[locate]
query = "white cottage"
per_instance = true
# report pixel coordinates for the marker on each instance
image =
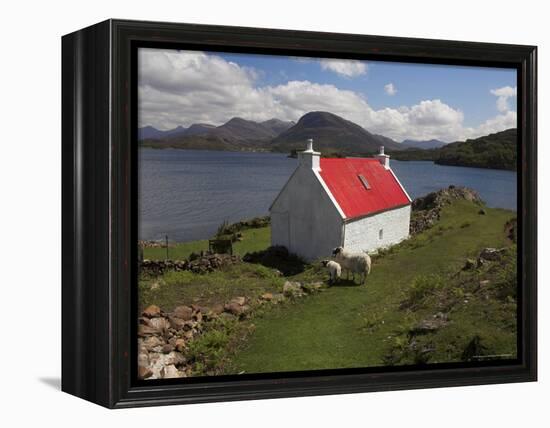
(356, 203)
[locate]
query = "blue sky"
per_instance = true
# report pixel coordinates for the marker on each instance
(465, 88)
(398, 100)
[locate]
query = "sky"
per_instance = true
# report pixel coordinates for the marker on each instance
(397, 100)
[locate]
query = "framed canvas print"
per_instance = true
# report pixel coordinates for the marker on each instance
(253, 213)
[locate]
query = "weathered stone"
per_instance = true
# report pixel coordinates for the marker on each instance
(161, 324)
(484, 283)
(470, 264)
(145, 330)
(292, 289)
(267, 296)
(183, 312)
(152, 311)
(171, 372)
(143, 359)
(180, 345)
(144, 372)
(278, 298)
(198, 316)
(430, 324)
(152, 342)
(234, 308)
(227, 316)
(177, 323)
(491, 254)
(175, 358)
(217, 309)
(239, 300)
(167, 348)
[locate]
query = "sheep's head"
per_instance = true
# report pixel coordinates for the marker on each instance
(324, 262)
(337, 251)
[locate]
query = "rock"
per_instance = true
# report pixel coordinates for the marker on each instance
(161, 324)
(313, 287)
(197, 316)
(430, 325)
(145, 330)
(278, 298)
(152, 342)
(171, 372)
(183, 312)
(470, 264)
(277, 272)
(292, 289)
(167, 348)
(175, 358)
(236, 309)
(484, 283)
(152, 311)
(177, 323)
(217, 309)
(144, 372)
(491, 254)
(239, 300)
(180, 345)
(227, 316)
(267, 296)
(143, 359)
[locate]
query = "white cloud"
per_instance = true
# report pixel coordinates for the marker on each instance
(182, 88)
(347, 68)
(503, 94)
(390, 89)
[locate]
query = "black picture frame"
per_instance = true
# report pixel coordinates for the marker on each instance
(99, 216)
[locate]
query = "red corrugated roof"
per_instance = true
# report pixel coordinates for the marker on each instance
(342, 178)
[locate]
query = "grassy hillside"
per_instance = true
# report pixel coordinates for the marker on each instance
(427, 300)
(252, 240)
(497, 151)
(382, 323)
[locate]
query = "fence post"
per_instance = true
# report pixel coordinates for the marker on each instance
(166, 239)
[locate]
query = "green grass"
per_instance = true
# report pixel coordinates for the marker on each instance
(252, 240)
(184, 288)
(359, 326)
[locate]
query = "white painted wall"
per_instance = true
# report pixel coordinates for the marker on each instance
(304, 219)
(364, 234)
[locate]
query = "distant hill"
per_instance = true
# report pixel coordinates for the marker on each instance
(429, 144)
(199, 129)
(497, 151)
(150, 132)
(331, 133)
(277, 126)
(234, 135)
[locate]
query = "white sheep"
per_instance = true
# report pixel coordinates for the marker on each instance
(335, 270)
(355, 262)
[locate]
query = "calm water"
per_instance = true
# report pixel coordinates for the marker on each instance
(187, 194)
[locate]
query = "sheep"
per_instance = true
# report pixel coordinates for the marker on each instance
(335, 270)
(355, 262)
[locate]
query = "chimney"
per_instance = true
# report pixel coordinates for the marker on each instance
(309, 158)
(383, 158)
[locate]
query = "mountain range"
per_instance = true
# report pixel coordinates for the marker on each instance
(331, 134)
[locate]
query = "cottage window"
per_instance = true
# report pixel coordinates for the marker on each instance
(380, 233)
(364, 181)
